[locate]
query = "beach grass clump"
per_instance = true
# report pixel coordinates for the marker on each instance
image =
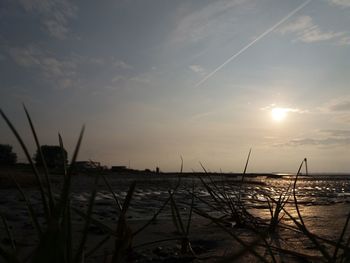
(228, 200)
(179, 222)
(233, 208)
(56, 240)
(54, 233)
(276, 209)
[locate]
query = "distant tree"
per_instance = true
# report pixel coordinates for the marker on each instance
(53, 156)
(7, 157)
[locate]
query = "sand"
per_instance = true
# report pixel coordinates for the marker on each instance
(324, 213)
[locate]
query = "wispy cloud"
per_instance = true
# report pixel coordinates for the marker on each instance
(285, 109)
(344, 118)
(55, 15)
(197, 69)
(121, 64)
(60, 71)
(344, 41)
(342, 3)
(336, 133)
(331, 141)
(68, 71)
(308, 32)
(322, 138)
(97, 61)
(118, 78)
(107, 61)
(341, 106)
(204, 21)
(338, 108)
(141, 78)
(337, 105)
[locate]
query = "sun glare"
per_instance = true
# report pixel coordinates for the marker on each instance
(278, 114)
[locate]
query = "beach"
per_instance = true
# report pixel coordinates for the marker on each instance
(323, 202)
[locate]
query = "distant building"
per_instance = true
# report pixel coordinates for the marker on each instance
(120, 168)
(86, 165)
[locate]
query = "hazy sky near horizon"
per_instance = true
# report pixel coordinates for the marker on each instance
(130, 71)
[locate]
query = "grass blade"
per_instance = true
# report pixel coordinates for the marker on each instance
(153, 218)
(112, 192)
(46, 171)
(67, 228)
(246, 164)
(8, 232)
(249, 247)
(294, 195)
(98, 245)
(29, 159)
(128, 198)
(182, 165)
(29, 207)
(341, 238)
(177, 215)
(96, 222)
(81, 245)
(191, 212)
(62, 205)
(7, 256)
(63, 155)
(124, 234)
(313, 238)
(158, 212)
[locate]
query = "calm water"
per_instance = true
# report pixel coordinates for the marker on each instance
(151, 193)
(324, 200)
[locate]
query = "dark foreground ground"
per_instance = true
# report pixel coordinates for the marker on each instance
(213, 233)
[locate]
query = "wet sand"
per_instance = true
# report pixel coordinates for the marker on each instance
(324, 206)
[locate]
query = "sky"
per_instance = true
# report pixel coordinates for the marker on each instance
(202, 79)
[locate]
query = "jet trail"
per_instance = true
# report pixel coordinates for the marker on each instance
(253, 42)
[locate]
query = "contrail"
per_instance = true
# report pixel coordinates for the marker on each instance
(253, 42)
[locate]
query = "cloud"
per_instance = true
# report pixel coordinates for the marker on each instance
(97, 61)
(205, 21)
(337, 133)
(197, 69)
(54, 15)
(121, 64)
(329, 138)
(300, 24)
(141, 78)
(338, 108)
(342, 106)
(26, 57)
(342, 3)
(338, 105)
(118, 78)
(344, 41)
(331, 141)
(61, 71)
(285, 109)
(308, 32)
(344, 118)
(67, 72)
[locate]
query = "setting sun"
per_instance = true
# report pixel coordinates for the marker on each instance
(278, 114)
